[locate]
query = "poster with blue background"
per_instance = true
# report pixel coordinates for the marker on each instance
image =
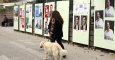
(37, 11)
(38, 18)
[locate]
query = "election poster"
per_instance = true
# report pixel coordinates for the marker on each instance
(38, 18)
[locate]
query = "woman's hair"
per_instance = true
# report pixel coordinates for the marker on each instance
(56, 15)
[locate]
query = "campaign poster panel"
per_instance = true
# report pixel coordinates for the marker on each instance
(22, 17)
(61, 6)
(81, 13)
(28, 18)
(104, 24)
(48, 8)
(16, 9)
(38, 18)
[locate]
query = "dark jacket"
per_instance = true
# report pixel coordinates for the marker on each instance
(57, 31)
(5, 19)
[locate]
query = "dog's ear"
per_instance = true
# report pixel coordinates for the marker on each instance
(41, 45)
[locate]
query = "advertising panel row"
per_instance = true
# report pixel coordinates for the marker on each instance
(48, 8)
(61, 6)
(28, 18)
(40, 25)
(81, 14)
(104, 20)
(38, 18)
(15, 14)
(22, 17)
(104, 24)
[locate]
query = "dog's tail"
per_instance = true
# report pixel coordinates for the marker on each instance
(62, 52)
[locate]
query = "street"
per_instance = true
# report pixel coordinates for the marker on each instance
(16, 45)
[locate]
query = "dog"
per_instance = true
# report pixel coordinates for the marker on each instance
(53, 49)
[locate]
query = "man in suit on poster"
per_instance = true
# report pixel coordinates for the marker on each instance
(109, 10)
(108, 31)
(83, 23)
(76, 22)
(99, 22)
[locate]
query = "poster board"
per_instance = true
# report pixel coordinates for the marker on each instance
(22, 17)
(104, 24)
(81, 13)
(28, 21)
(61, 6)
(15, 14)
(48, 8)
(38, 19)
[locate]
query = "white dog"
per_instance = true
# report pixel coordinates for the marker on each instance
(53, 49)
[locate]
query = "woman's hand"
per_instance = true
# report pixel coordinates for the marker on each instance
(50, 33)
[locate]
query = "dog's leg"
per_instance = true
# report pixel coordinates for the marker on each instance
(46, 56)
(56, 54)
(60, 57)
(55, 57)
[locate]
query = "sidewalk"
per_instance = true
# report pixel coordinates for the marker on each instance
(22, 46)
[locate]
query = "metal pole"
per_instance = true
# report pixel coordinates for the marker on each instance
(70, 21)
(43, 17)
